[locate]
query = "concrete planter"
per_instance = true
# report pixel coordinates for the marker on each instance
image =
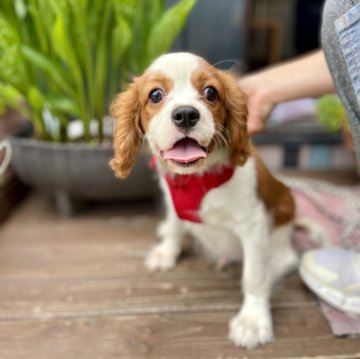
(73, 173)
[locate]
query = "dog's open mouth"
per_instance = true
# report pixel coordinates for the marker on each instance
(186, 152)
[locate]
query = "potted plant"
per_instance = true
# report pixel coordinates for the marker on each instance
(331, 113)
(61, 64)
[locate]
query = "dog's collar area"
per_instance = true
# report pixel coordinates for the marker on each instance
(187, 191)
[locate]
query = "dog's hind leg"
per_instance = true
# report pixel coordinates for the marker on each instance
(284, 258)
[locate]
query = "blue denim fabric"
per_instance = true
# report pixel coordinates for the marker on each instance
(348, 29)
(340, 35)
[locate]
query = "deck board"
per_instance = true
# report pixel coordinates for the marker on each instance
(77, 288)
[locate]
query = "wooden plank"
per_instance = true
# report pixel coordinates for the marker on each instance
(300, 334)
(172, 292)
(40, 243)
(78, 289)
(55, 268)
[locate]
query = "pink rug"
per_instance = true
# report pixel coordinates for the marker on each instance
(336, 210)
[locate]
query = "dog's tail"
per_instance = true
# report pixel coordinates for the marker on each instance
(318, 234)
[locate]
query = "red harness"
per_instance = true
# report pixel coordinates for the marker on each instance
(187, 191)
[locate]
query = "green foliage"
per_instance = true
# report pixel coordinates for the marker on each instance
(170, 24)
(331, 112)
(70, 57)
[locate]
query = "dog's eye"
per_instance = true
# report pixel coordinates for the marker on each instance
(210, 93)
(156, 96)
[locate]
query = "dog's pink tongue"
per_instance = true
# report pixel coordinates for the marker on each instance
(186, 150)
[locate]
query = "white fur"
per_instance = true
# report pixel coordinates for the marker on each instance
(162, 133)
(235, 220)
(231, 230)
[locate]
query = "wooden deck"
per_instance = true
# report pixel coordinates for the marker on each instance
(77, 288)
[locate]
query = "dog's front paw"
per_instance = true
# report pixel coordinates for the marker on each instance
(162, 257)
(250, 328)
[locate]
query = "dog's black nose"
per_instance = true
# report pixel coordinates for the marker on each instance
(185, 117)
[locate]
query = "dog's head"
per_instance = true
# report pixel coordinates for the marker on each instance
(191, 113)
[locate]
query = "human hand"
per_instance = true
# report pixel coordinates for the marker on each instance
(260, 102)
(306, 76)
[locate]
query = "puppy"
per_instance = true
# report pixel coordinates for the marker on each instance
(216, 187)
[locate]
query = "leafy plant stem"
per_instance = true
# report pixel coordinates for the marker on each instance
(66, 59)
(100, 70)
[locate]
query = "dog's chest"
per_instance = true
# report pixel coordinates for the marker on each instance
(221, 210)
(213, 199)
(187, 192)
(232, 203)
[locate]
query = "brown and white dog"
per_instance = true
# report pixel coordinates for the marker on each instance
(215, 185)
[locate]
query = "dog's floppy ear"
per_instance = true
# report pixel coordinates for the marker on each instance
(125, 110)
(236, 121)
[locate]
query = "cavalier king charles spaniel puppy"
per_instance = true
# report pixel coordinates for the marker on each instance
(216, 187)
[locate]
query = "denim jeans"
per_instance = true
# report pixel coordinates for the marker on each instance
(340, 35)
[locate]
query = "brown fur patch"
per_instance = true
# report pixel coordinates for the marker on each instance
(125, 110)
(236, 119)
(229, 110)
(132, 112)
(206, 76)
(276, 196)
(150, 82)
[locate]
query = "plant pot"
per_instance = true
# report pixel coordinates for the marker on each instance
(77, 172)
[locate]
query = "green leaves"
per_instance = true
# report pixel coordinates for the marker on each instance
(62, 104)
(10, 96)
(51, 69)
(12, 67)
(331, 112)
(68, 58)
(167, 28)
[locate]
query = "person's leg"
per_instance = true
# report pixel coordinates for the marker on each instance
(340, 36)
(334, 273)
